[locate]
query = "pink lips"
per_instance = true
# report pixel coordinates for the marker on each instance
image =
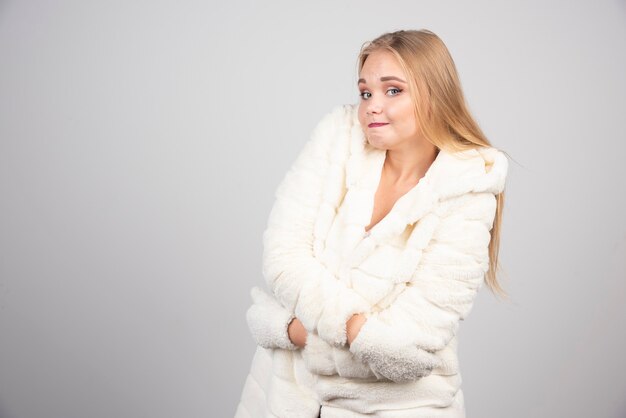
(374, 125)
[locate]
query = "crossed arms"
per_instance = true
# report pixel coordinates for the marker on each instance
(397, 342)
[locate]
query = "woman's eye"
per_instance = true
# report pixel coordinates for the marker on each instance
(366, 94)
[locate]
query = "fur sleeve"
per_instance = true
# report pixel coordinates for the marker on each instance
(426, 314)
(299, 281)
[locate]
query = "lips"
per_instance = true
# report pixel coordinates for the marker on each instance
(376, 124)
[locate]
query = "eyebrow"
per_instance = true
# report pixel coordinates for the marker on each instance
(386, 78)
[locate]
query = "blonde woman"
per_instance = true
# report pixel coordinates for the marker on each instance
(382, 232)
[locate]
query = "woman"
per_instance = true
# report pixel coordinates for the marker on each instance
(382, 232)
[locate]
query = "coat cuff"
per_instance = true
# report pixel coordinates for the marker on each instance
(390, 355)
(268, 321)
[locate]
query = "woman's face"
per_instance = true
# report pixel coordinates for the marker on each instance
(385, 99)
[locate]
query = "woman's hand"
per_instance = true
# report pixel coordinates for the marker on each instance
(297, 333)
(353, 326)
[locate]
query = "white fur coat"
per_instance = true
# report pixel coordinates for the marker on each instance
(414, 275)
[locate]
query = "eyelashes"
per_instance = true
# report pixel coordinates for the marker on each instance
(363, 93)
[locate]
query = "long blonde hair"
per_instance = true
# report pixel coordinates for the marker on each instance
(440, 107)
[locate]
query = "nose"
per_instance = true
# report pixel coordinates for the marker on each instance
(373, 106)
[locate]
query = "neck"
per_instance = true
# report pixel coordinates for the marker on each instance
(410, 163)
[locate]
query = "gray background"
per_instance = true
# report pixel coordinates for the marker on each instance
(140, 146)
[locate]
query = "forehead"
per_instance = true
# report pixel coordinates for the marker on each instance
(381, 63)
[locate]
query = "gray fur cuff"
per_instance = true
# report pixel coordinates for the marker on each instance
(389, 356)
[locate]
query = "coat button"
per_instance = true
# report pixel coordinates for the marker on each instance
(366, 234)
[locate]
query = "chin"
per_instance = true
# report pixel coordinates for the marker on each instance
(380, 144)
(374, 144)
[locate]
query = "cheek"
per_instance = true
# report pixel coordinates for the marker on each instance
(361, 115)
(406, 114)
(404, 122)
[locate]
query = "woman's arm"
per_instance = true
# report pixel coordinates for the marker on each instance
(273, 326)
(397, 342)
(452, 269)
(270, 324)
(303, 285)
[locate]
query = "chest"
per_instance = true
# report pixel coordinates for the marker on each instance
(385, 198)
(370, 232)
(373, 276)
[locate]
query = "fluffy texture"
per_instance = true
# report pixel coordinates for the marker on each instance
(388, 357)
(298, 280)
(268, 321)
(452, 269)
(415, 275)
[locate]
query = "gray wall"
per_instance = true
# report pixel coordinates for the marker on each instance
(140, 146)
